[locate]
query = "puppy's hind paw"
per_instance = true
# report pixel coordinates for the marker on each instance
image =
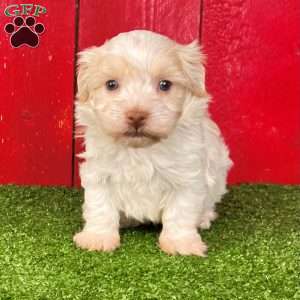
(206, 219)
(183, 246)
(97, 242)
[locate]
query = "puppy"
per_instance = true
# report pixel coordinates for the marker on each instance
(152, 153)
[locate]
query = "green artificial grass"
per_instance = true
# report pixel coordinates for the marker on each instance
(254, 250)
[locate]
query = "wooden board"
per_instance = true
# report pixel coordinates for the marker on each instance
(36, 103)
(253, 73)
(101, 20)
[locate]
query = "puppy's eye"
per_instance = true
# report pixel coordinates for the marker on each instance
(165, 85)
(112, 84)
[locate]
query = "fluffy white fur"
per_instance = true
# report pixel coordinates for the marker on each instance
(175, 178)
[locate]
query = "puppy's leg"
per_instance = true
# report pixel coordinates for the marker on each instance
(101, 229)
(215, 195)
(180, 221)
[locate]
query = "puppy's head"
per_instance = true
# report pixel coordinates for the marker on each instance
(137, 83)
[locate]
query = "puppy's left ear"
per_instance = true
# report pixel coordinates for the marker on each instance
(192, 60)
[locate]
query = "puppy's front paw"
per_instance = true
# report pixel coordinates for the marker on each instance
(97, 242)
(186, 245)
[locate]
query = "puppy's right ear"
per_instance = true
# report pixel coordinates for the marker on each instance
(84, 64)
(192, 63)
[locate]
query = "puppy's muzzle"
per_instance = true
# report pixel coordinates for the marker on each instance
(136, 120)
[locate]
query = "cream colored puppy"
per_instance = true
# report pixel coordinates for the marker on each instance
(152, 152)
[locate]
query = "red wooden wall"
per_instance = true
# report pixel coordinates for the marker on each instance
(36, 100)
(253, 73)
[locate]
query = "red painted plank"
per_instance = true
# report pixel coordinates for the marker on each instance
(37, 99)
(101, 20)
(253, 73)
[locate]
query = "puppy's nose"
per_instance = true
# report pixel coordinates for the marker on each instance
(136, 118)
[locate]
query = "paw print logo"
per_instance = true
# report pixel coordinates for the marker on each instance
(24, 31)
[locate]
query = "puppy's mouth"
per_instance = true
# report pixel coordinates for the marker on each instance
(139, 138)
(140, 134)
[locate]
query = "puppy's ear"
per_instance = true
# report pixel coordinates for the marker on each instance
(192, 60)
(84, 64)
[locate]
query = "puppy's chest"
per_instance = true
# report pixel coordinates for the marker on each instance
(139, 190)
(131, 171)
(147, 171)
(139, 175)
